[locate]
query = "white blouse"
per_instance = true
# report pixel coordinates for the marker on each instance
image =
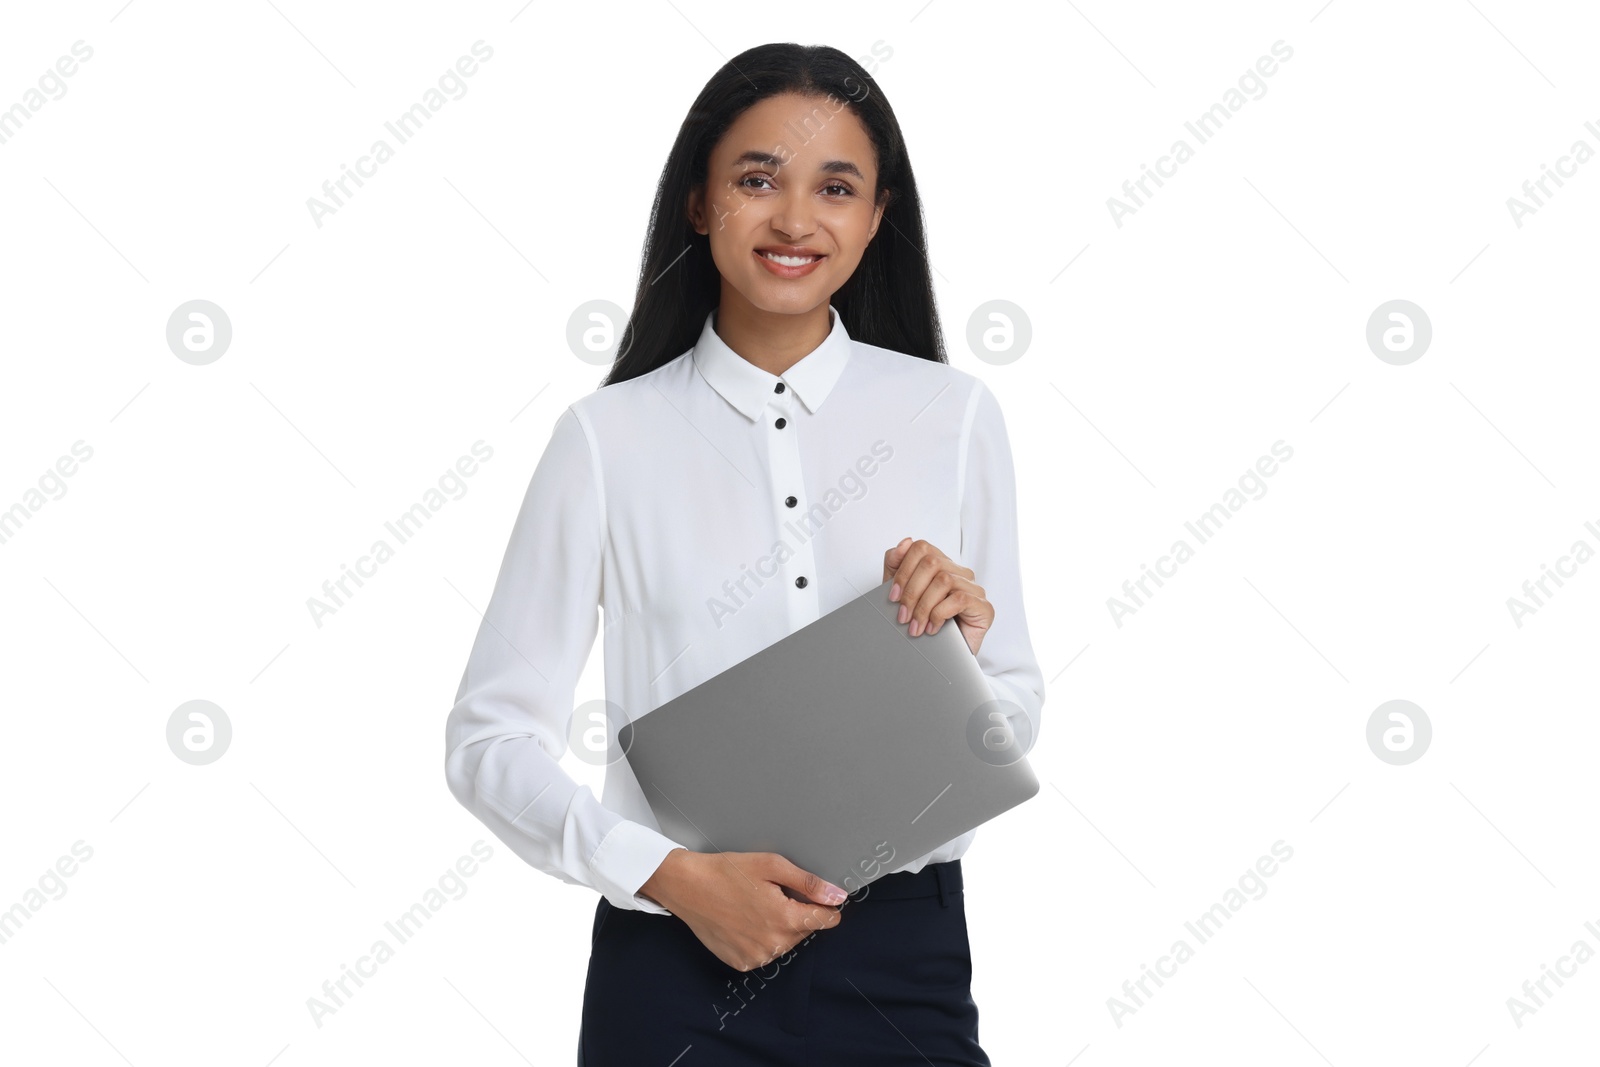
(711, 508)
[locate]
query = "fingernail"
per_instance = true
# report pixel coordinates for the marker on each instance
(916, 627)
(904, 611)
(834, 895)
(894, 593)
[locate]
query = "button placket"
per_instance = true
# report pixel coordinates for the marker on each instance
(786, 469)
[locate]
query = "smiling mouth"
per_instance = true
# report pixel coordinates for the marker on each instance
(789, 261)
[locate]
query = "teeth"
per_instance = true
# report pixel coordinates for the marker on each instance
(791, 261)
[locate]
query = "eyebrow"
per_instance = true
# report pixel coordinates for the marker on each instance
(832, 166)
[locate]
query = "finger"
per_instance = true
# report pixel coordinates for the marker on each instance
(923, 563)
(974, 597)
(937, 589)
(909, 562)
(915, 582)
(895, 560)
(949, 595)
(892, 558)
(813, 887)
(952, 605)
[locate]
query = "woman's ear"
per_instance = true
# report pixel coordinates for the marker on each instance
(877, 215)
(696, 209)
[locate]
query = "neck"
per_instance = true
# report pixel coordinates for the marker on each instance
(771, 340)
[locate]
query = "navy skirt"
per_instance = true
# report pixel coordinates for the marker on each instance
(890, 985)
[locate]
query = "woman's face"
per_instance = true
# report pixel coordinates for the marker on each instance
(793, 175)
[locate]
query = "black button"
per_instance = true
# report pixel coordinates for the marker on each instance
(781, 423)
(778, 388)
(790, 501)
(800, 581)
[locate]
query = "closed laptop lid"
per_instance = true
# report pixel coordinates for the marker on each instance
(849, 747)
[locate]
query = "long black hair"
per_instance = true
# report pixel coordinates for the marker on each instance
(888, 301)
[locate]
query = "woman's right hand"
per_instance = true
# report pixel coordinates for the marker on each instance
(736, 905)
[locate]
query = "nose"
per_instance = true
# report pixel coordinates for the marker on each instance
(796, 216)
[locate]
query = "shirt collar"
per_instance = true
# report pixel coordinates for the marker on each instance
(748, 387)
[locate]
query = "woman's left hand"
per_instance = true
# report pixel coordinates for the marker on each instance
(931, 587)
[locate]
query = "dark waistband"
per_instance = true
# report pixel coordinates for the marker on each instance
(942, 880)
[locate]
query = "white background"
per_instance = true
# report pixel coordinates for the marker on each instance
(430, 311)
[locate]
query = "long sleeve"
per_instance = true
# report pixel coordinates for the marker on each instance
(989, 545)
(508, 727)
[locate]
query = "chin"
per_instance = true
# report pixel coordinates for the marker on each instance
(792, 303)
(781, 297)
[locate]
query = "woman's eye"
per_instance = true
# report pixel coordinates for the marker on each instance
(844, 190)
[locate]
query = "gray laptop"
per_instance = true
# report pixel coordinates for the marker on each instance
(849, 747)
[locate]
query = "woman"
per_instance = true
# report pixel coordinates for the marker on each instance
(779, 434)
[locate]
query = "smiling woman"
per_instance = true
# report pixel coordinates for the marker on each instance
(794, 152)
(755, 201)
(783, 330)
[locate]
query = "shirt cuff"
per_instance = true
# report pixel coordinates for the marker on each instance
(628, 855)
